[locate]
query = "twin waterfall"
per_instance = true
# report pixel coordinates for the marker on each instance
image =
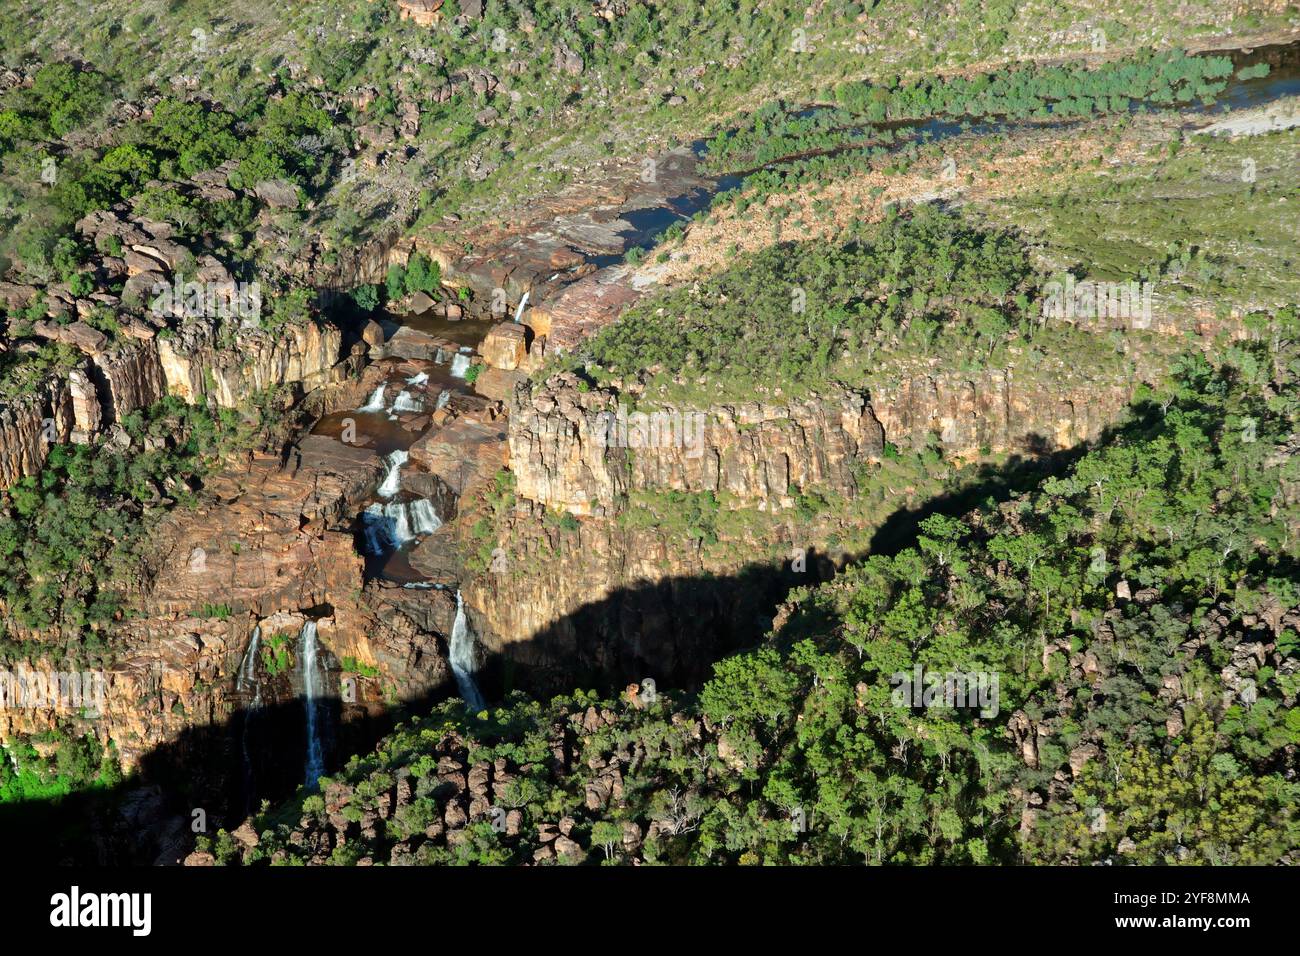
(248, 679)
(463, 662)
(307, 647)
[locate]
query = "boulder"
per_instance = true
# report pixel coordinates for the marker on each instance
(372, 333)
(77, 334)
(277, 193)
(506, 346)
(566, 847)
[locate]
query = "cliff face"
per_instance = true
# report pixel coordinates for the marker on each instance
(582, 451)
(995, 410)
(128, 378)
(608, 604)
(31, 423)
(622, 599)
(195, 364)
(108, 385)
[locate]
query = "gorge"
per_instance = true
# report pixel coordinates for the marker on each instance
(421, 501)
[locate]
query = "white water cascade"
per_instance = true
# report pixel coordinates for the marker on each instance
(405, 402)
(307, 647)
(419, 378)
(463, 664)
(392, 482)
(424, 517)
(388, 527)
(248, 678)
(248, 668)
(375, 403)
(459, 365)
(443, 399)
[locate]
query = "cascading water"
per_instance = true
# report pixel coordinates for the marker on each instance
(419, 378)
(375, 403)
(388, 527)
(443, 399)
(459, 365)
(307, 647)
(392, 482)
(463, 665)
(248, 678)
(374, 525)
(424, 517)
(404, 402)
(248, 667)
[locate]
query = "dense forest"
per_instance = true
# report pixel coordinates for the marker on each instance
(798, 315)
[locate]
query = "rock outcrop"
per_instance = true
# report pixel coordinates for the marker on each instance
(583, 451)
(998, 410)
(30, 424)
(196, 364)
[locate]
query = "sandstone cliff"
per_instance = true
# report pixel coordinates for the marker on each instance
(197, 364)
(583, 451)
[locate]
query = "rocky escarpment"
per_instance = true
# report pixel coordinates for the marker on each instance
(30, 424)
(635, 590)
(181, 326)
(583, 450)
(105, 387)
(197, 364)
(997, 410)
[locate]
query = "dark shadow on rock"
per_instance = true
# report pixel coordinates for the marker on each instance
(201, 779)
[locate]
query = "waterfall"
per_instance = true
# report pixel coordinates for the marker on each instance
(461, 650)
(459, 365)
(375, 403)
(519, 312)
(388, 527)
(443, 399)
(419, 378)
(248, 668)
(405, 403)
(392, 482)
(424, 517)
(315, 765)
(248, 677)
(398, 525)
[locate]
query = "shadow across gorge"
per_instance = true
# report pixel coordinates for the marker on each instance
(671, 631)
